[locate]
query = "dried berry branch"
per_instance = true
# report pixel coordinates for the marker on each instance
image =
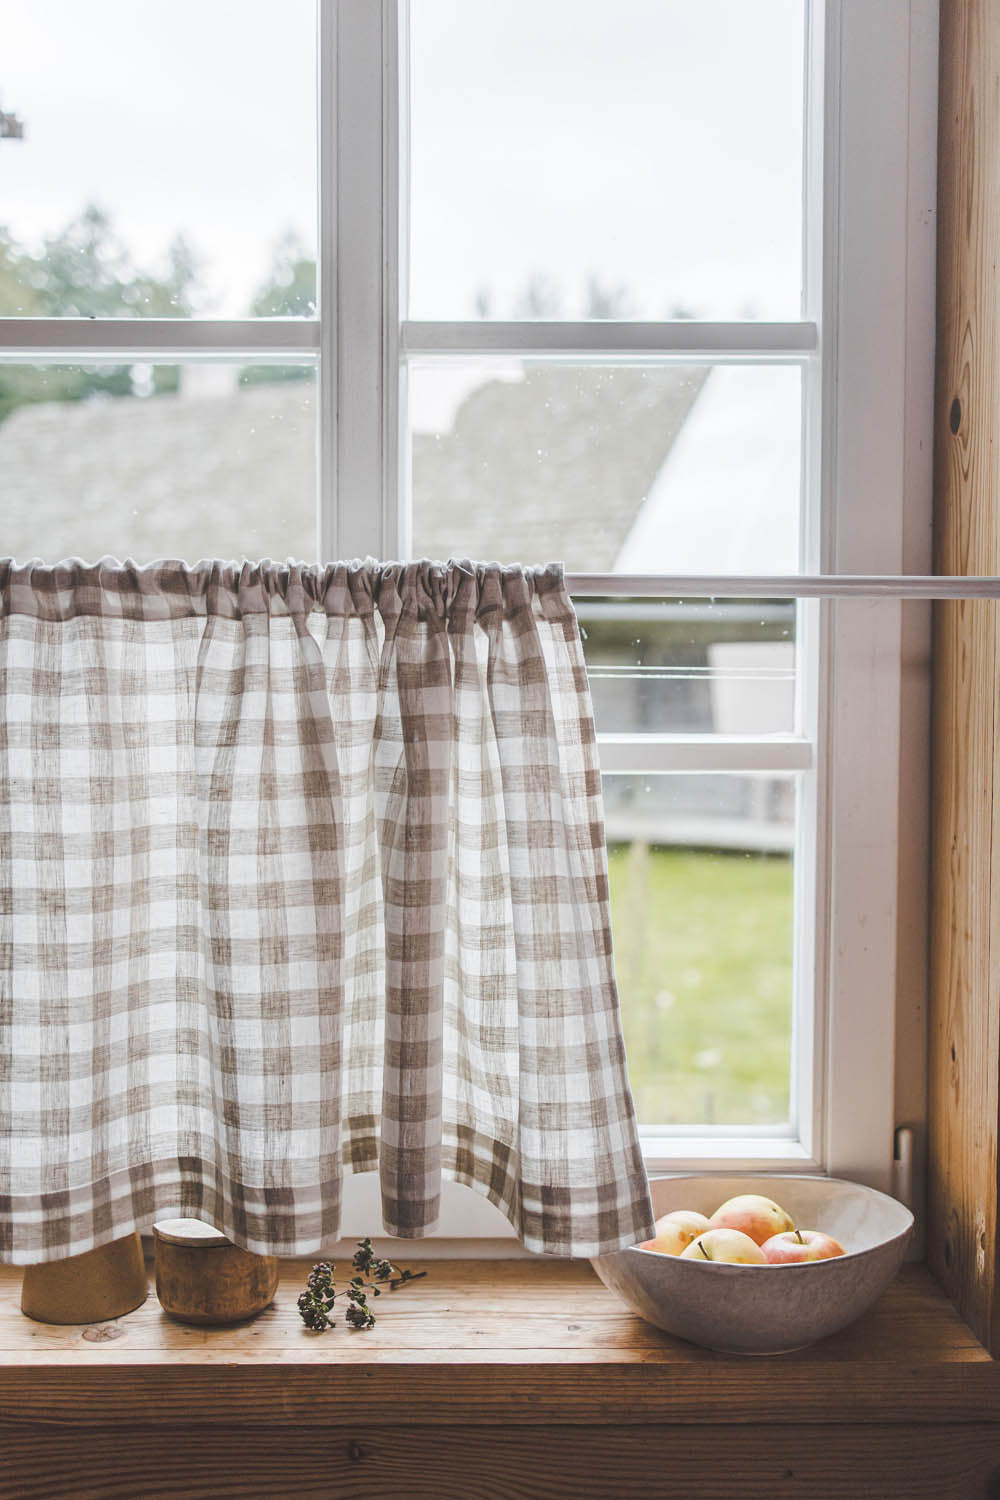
(317, 1302)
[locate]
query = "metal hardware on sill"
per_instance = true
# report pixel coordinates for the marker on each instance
(786, 586)
(902, 1165)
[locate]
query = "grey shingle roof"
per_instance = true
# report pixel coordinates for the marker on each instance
(169, 476)
(554, 466)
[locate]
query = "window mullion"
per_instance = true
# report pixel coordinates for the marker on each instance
(327, 267)
(640, 754)
(357, 356)
(44, 340)
(880, 168)
(395, 277)
(706, 342)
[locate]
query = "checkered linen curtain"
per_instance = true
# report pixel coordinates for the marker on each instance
(302, 872)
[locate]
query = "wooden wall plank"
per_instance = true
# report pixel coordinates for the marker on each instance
(467, 1388)
(964, 1043)
(378, 1461)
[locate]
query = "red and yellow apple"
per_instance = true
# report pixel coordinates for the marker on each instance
(725, 1244)
(759, 1218)
(798, 1245)
(675, 1231)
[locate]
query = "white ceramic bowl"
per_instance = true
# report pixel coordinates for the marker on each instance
(738, 1309)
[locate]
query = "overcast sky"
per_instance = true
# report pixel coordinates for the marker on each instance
(655, 143)
(652, 143)
(196, 116)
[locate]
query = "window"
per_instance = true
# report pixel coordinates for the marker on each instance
(646, 287)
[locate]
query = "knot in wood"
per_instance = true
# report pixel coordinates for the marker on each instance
(104, 1333)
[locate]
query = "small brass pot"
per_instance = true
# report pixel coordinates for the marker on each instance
(89, 1288)
(201, 1277)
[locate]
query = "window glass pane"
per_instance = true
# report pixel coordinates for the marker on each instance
(628, 468)
(196, 460)
(168, 159)
(690, 666)
(579, 159)
(702, 914)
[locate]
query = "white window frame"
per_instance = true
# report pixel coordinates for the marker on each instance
(865, 345)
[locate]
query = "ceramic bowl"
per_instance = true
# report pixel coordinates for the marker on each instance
(738, 1309)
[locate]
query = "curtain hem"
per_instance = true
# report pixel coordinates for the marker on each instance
(168, 1187)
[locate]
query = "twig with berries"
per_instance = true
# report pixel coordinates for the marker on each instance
(371, 1274)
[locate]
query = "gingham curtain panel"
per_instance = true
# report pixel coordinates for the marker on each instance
(303, 874)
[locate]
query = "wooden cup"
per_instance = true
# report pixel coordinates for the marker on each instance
(201, 1277)
(88, 1288)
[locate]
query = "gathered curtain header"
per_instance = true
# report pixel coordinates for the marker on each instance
(174, 590)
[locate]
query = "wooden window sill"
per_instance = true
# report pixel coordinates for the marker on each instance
(516, 1363)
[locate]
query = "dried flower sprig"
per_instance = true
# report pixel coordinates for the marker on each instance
(317, 1301)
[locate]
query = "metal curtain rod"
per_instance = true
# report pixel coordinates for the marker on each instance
(778, 586)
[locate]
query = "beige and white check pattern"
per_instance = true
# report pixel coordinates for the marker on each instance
(302, 873)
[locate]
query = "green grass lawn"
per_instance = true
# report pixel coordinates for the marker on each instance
(703, 955)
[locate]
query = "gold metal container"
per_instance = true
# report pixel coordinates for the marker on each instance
(201, 1277)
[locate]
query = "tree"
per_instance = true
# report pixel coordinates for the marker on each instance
(84, 271)
(605, 301)
(538, 298)
(290, 288)
(18, 299)
(288, 292)
(541, 297)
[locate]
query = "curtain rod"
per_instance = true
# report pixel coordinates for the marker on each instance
(781, 586)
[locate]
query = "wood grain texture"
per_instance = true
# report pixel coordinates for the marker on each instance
(523, 1341)
(213, 1284)
(487, 1380)
(962, 1244)
(375, 1461)
(103, 1283)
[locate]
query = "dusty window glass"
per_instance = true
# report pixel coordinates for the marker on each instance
(702, 907)
(691, 666)
(642, 468)
(189, 460)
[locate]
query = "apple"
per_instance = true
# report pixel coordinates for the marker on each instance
(675, 1231)
(800, 1245)
(725, 1244)
(760, 1218)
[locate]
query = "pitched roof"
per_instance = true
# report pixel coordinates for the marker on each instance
(167, 476)
(555, 465)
